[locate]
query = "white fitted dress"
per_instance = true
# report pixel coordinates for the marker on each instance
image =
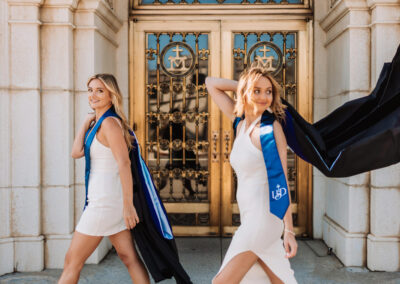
(104, 214)
(260, 231)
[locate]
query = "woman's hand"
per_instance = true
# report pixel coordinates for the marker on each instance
(290, 244)
(77, 147)
(89, 119)
(130, 216)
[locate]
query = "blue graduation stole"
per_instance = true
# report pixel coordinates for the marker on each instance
(154, 203)
(278, 189)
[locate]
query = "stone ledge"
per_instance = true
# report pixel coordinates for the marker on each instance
(56, 247)
(350, 248)
(6, 255)
(383, 253)
(339, 11)
(29, 254)
(102, 10)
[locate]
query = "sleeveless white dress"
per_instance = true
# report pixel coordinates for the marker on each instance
(260, 231)
(104, 214)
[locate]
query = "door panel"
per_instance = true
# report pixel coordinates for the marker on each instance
(180, 142)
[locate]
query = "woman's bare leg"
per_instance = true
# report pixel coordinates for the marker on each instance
(236, 268)
(123, 244)
(80, 249)
(272, 276)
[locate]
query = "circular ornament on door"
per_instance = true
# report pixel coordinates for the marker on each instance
(267, 55)
(177, 59)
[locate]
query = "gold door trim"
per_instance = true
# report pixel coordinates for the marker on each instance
(136, 4)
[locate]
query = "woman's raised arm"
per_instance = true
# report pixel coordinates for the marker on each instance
(217, 88)
(77, 147)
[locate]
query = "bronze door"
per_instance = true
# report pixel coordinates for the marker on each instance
(185, 139)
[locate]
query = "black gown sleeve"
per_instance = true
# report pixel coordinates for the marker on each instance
(359, 136)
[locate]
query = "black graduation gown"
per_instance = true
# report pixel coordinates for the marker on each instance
(361, 135)
(158, 253)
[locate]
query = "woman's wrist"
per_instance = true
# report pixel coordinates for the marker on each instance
(290, 231)
(126, 202)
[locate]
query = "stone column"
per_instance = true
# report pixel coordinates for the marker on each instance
(346, 222)
(121, 9)
(319, 110)
(95, 47)
(57, 128)
(6, 241)
(384, 238)
(25, 128)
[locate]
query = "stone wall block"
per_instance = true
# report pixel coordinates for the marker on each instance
(6, 255)
(319, 192)
(348, 205)
(58, 210)
(84, 60)
(25, 138)
(29, 254)
(58, 165)
(350, 248)
(5, 132)
(79, 202)
(383, 253)
(56, 247)
(386, 177)
(385, 211)
(25, 212)
(57, 56)
(5, 212)
(25, 59)
(81, 111)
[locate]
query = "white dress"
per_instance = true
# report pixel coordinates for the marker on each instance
(260, 231)
(104, 214)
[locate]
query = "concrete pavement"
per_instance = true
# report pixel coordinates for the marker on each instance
(202, 257)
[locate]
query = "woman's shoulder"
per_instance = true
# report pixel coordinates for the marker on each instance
(111, 123)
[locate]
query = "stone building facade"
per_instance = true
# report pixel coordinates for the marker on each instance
(48, 49)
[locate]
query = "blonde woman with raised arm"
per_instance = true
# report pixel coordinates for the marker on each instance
(257, 253)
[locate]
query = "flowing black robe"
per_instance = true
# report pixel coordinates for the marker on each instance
(361, 135)
(158, 253)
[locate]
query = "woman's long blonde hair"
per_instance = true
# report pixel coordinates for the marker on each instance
(111, 84)
(246, 85)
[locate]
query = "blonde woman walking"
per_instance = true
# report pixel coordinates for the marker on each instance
(257, 253)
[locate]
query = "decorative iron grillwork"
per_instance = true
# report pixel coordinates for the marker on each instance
(276, 51)
(177, 118)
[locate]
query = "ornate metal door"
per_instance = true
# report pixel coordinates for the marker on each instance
(185, 139)
(177, 125)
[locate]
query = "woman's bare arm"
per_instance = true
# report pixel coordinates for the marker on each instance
(115, 139)
(217, 88)
(77, 147)
(281, 143)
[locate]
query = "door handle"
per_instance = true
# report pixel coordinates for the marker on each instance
(227, 150)
(214, 151)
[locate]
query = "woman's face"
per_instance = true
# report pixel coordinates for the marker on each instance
(262, 95)
(99, 97)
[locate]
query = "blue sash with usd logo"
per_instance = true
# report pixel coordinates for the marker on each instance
(278, 189)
